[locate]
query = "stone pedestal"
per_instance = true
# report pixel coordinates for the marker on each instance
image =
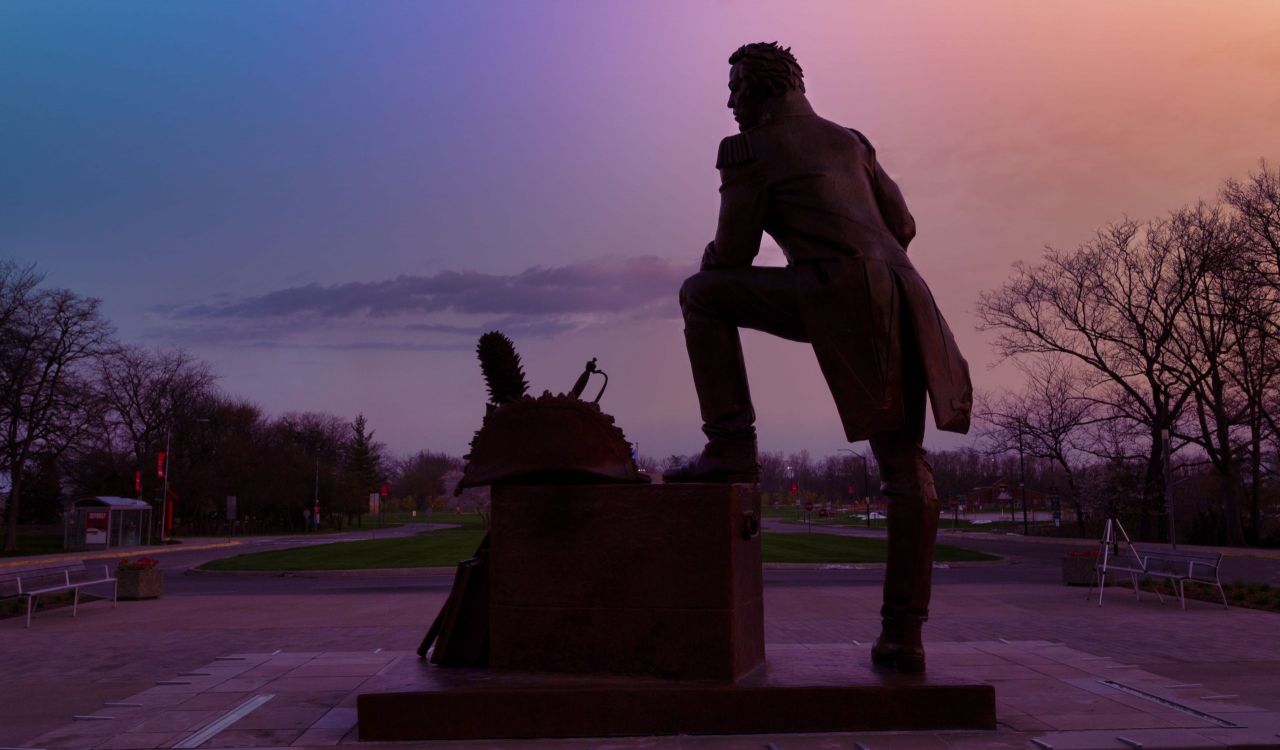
(621, 610)
(626, 579)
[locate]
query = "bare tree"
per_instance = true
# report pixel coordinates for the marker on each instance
(1257, 375)
(1257, 204)
(1257, 200)
(47, 338)
(1205, 342)
(421, 476)
(1047, 420)
(1113, 305)
(147, 392)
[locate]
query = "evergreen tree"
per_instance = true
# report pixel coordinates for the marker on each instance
(363, 469)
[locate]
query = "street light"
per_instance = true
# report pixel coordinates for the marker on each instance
(1022, 483)
(866, 490)
(1166, 451)
(315, 507)
(164, 492)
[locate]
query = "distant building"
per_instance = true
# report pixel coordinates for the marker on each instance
(988, 497)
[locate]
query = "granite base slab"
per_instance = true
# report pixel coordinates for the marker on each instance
(797, 689)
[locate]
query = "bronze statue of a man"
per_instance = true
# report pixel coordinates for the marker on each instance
(848, 288)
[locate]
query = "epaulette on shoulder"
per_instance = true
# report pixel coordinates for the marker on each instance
(734, 150)
(864, 140)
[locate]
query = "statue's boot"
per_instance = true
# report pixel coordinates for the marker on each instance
(913, 529)
(721, 462)
(728, 419)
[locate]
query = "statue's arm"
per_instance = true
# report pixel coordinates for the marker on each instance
(893, 207)
(742, 207)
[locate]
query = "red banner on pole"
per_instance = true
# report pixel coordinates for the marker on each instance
(160, 464)
(137, 481)
(384, 490)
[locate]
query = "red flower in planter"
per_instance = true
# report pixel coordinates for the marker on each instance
(142, 563)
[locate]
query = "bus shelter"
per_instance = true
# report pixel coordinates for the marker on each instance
(102, 522)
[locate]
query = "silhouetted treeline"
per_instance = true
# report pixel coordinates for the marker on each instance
(82, 414)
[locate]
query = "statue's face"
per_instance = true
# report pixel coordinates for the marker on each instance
(744, 102)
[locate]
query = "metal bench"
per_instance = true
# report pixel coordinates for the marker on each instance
(1155, 561)
(31, 582)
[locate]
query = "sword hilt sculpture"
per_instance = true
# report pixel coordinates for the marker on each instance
(581, 383)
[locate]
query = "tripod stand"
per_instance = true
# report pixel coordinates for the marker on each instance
(1112, 532)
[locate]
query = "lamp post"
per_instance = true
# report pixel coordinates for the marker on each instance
(1166, 452)
(315, 507)
(164, 491)
(866, 489)
(1022, 483)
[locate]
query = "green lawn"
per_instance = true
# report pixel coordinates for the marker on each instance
(465, 520)
(432, 549)
(447, 547)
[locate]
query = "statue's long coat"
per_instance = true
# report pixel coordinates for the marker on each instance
(818, 190)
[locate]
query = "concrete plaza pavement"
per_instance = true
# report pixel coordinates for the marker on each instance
(314, 638)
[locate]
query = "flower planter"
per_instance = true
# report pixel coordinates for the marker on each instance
(140, 584)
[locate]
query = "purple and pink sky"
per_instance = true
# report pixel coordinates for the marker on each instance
(329, 201)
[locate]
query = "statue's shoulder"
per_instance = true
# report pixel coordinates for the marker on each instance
(734, 151)
(858, 134)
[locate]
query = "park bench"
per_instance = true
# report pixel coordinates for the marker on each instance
(30, 582)
(1159, 562)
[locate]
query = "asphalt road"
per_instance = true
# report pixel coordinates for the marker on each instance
(1036, 561)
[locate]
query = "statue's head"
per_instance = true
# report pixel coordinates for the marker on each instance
(759, 72)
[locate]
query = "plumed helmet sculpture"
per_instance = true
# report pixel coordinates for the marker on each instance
(503, 374)
(551, 439)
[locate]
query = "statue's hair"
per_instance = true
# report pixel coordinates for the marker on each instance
(769, 67)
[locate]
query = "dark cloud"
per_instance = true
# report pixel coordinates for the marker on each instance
(512, 325)
(358, 346)
(609, 286)
(444, 311)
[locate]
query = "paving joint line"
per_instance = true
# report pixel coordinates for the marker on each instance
(214, 727)
(1154, 698)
